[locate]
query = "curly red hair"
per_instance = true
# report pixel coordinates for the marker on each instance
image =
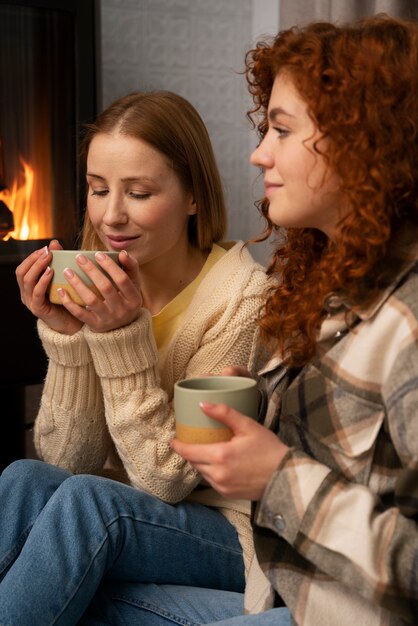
(361, 83)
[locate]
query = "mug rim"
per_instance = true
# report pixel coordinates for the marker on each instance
(84, 251)
(241, 382)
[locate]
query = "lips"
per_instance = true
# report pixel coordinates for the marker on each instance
(121, 242)
(269, 188)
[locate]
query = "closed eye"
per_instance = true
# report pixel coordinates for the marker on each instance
(282, 132)
(139, 196)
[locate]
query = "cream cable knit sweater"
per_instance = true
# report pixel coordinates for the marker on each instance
(107, 391)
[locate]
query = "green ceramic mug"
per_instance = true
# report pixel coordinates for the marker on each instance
(62, 259)
(192, 425)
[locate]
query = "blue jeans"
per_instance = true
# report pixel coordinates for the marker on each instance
(135, 604)
(66, 540)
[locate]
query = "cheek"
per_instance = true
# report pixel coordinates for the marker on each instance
(164, 217)
(94, 213)
(150, 218)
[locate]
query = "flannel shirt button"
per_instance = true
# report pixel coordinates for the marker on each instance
(333, 303)
(279, 523)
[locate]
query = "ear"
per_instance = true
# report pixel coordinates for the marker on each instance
(192, 208)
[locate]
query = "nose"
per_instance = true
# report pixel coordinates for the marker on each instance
(262, 156)
(115, 212)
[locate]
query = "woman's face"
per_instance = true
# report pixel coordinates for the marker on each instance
(135, 200)
(302, 191)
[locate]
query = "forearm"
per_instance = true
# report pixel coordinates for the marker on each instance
(139, 414)
(70, 429)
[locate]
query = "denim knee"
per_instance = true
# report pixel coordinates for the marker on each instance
(24, 469)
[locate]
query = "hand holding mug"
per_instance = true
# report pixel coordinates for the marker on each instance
(192, 424)
(241, 467)
(65, 263)
(98, 291)
(33, 277)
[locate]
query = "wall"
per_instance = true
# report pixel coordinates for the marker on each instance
(196, 48)
(340, 11)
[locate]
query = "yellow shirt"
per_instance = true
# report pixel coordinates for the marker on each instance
(167, 321)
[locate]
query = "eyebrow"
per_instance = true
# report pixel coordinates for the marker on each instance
(128, 179)
(273, 113)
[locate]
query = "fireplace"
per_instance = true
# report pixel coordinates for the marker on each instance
(48, 60)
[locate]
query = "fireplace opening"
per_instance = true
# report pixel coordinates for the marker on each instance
(48, 89)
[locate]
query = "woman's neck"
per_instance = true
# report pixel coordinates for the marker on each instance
(161, 283)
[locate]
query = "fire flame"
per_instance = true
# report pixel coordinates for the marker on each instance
(28, 221)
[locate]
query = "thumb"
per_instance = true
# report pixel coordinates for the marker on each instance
(236, 370)
(226, 415)
(130, 265)
(55, 245)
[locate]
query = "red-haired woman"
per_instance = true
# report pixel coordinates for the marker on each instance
(334, 470)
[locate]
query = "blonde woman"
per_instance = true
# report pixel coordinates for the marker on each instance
(182, 303)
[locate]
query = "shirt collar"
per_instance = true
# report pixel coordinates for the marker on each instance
(338, 307)
(398, 268)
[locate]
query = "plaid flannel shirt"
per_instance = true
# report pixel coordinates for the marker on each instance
(336, 531)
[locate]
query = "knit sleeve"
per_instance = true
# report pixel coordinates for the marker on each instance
(137, 408)
(70, 429)
(139, 411)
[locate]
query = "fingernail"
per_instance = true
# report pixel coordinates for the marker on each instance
(206, 405)
(43, 251)
(68, 273)
(81, 258)
(100, 256)
(61, 292)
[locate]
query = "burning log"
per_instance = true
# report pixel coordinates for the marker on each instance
(6, 220)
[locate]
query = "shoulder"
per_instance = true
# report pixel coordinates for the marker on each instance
(407, 292)
(237, 265)
(235, 280)
(234, 288)
(399, 312)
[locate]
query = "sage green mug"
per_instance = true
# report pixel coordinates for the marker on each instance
(192, 425)
(62, 259)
